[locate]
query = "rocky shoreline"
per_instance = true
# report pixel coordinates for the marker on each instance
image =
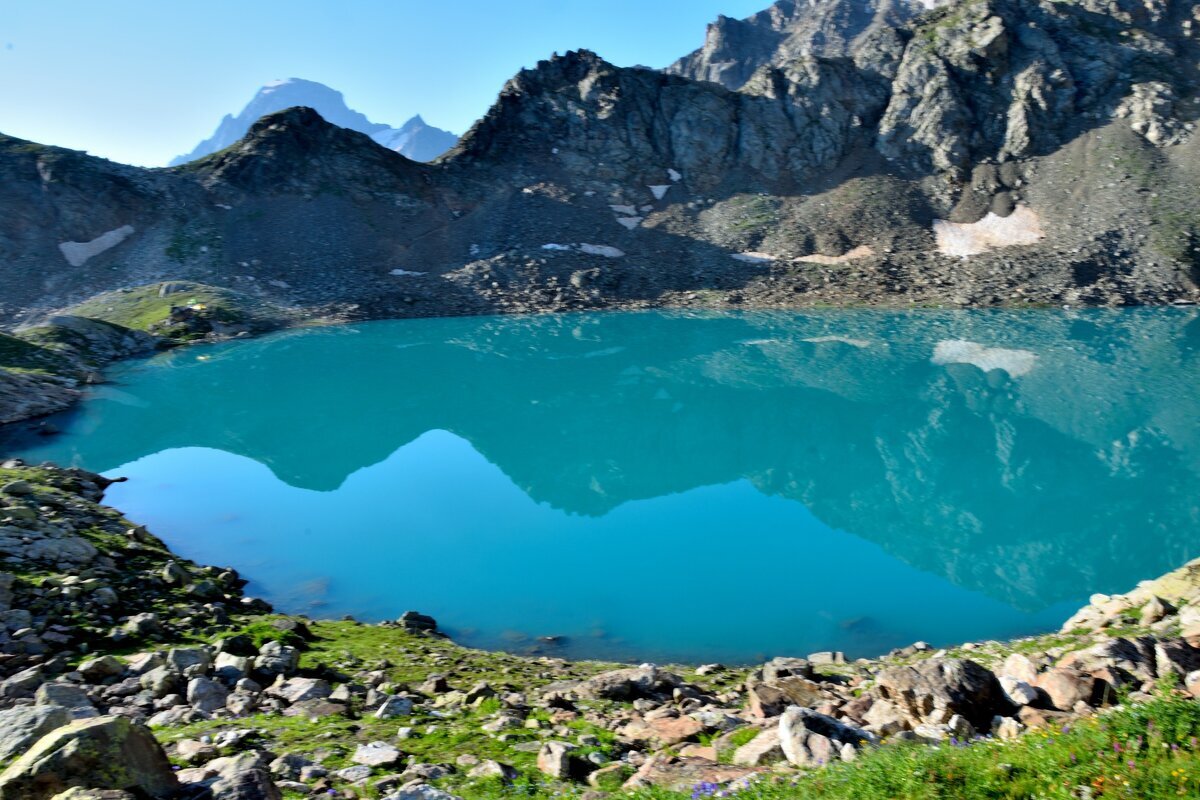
(127, 668)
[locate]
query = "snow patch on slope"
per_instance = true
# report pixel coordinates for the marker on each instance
(1022, 226)
(78, 253)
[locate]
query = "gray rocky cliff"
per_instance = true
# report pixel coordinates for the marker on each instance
(987, 152)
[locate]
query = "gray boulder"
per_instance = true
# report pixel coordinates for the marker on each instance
(101, 753)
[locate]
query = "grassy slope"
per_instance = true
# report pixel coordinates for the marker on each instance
(142, 308)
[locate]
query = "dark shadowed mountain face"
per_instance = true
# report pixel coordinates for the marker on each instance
(415, 139)
(986, 152)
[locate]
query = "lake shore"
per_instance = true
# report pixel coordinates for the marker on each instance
(102, 620)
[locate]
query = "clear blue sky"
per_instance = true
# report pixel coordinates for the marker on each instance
(140, 81)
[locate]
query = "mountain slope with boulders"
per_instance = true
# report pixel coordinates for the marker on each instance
(986, 152)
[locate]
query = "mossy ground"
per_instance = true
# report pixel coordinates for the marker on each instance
(146, 307)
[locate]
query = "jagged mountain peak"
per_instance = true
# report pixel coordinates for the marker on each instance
(297, 150)
(734, 49)
(416, 139)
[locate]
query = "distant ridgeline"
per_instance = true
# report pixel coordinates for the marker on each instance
(414, 139)
(865, 152)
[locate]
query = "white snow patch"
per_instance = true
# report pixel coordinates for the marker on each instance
(78, 253)
(754, 258)
(659, 190)
(675, 175)
(405, 273)
(601, 250)
(554, 246)
(861, 344)
(630, 222)
(629, 210)
(862, 251)
(225, 206)
(957, 351)
(1022, 226)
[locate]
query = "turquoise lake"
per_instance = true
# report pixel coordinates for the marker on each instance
(672, 486)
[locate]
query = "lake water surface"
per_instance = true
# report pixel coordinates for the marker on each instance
(671, 486)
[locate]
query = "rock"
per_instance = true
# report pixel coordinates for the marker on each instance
(295, 690)
(17, 488)
(1154, 610)
(770, 699)
(206, 695)
(417, 622)
(20, 727)
(357, 774)
(231, 668)
(811, 739)
(628, 684)
(826, 658)
(98, 670)
(1020, 668)
(292, 766)
(1018, 692)
(778, 668)
(554, 759)
(68, 696)
(244, 777)
(23, 683)
(885, 718)
(101, 753)
(421, 791)
(938, 688)
(1065, 687)
(1006, 728)
(683, 774)
(666, 731)
(762, 749)
(394, 707)
(376, 754)
(492, 769)
(275, 658)
(145, 624)
(193, 751)
(188, 661)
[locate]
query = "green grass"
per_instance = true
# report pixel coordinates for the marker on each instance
(142, 308)
(20, 355)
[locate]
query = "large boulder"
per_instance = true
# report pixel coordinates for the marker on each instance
(934, 690)
(100, 753)
(811, 739)
(629, 684)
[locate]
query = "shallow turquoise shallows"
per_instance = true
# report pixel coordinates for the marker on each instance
(670, 486)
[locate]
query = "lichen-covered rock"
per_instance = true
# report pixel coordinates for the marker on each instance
(101, 753)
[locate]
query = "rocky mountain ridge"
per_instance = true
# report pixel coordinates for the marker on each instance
(414, 139)
(989, 152)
